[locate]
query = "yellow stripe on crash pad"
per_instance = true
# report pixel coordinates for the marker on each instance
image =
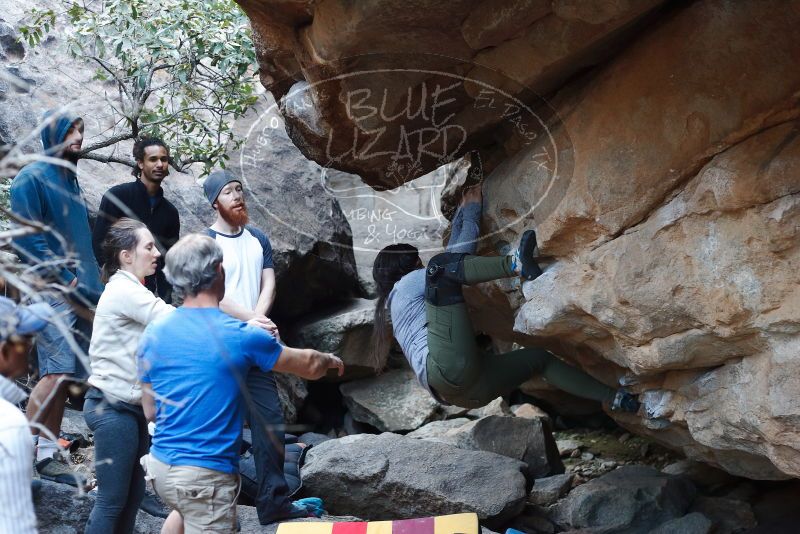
(305, 528)
(456, 524)
(379, 527)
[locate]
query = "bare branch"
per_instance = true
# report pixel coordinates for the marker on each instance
(103, 158)
(108, 142)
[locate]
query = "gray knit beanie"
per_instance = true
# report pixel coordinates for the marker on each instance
(216, 181)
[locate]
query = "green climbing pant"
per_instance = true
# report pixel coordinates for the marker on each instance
(463, 374)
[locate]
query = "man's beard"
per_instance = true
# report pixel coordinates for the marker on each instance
(71, 156)
(233, 216)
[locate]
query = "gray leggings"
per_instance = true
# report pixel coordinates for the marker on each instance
(120, 438)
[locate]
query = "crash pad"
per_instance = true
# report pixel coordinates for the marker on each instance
(443, 524)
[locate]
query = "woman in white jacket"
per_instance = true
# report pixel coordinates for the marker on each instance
(113, 407)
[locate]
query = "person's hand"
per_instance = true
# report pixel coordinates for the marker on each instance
(472, 194)
(322, 361)
(74, 283)
(262, 321)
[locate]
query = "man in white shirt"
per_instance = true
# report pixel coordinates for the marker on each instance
(249, 295)
(17, 326)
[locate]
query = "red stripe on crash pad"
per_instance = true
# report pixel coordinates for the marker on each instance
(423, 525)
(349, 528)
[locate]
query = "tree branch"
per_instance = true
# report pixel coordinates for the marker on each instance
(103, 158)
(108, 142)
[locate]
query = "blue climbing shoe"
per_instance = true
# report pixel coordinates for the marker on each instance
(524, 257)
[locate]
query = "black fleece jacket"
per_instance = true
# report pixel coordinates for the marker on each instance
(161, 218)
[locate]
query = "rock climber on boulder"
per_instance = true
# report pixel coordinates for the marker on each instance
(432, 325)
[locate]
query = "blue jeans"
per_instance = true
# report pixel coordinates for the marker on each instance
(265, 415)
(120, 439)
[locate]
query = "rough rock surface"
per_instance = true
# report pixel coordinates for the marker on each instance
(727, 515)
(389, 476)
(529, 440)
(630, 499)
(61, 510)
(310, 51)
(694, 523)
(345, 331)
(548, 490)
(391, 402)
(437, 429)
(292, 391)
(671, 220)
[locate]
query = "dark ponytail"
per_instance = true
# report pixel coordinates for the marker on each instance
(121, 236)
(391, 264)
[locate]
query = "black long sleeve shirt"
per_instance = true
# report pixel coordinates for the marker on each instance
(160, 216)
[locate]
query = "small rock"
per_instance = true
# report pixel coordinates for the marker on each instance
(529, 411)
(568, 446)
(586, 456)
(575, 454)
(624, 437)
(496, 407)
(547, 491)
(391, 402)
(529, 440)
(608, 464)
(437, 429)
(694, 523)
(450, 411)
(644, 450)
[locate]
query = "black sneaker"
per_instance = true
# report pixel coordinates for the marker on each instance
(153, 505)
(625, 402)
(56, 470)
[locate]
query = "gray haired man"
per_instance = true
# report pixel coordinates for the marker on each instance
(193, 363)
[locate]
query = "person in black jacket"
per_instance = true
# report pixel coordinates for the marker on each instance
(143, 199)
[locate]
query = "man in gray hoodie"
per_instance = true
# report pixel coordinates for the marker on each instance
(47, 192)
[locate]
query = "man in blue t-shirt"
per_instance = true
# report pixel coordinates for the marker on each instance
(193, 364)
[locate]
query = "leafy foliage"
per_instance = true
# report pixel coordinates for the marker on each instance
(181, 69)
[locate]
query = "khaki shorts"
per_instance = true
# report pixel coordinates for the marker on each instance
(205, 498)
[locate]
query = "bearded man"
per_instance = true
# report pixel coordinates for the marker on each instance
(249, 295)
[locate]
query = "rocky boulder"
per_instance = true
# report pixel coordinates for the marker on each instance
(345, 331)
(292, 392)
(548, 490)
(628, 500)
(528, 440)
(391, 402)
(391, 92)
(388, 476)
